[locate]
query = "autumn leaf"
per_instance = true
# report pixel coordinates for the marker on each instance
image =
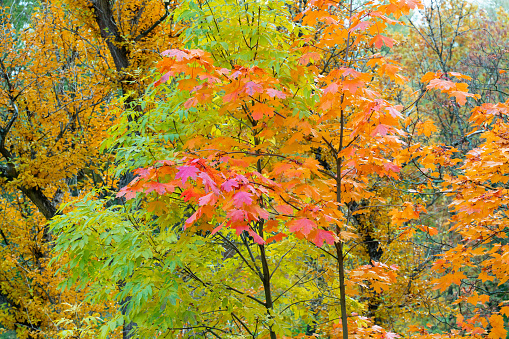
(380, 40)
(274, 93)
(186, 172)
(251, 88)
(498, 330)
(303, 226)
(242, 198)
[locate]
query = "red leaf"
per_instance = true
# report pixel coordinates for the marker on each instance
(389, 166)
(304, 60)
(394, 112)
(332, 88)
(237, 215)
(127, 192)
(163, 79)
(193, 218)
(361, 26)
(160, 188)
(252, 88)
(185, 172)
(209, 199)
(208, 182)
(380, 40)
(143, 172)
(323, 236)
(275, 93)
(177, 54)
(391, 335)
(229, 185)
(303, 226)
(284, 209)
(276, 238)
(380, 129)
(191, 102)
(241, 198)
(259, 240)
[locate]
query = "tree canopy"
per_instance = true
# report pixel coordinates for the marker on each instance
(264, 169)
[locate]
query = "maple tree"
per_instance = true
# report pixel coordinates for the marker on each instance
(262, 183)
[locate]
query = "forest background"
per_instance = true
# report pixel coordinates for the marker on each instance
(262, 169)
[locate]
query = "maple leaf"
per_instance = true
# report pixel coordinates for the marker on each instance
(126, 192)
(237, 215)
(178, 54)
(497, 327)
(185, 172)
(191, 102)
(352, 85)
(252, 88)
(394, 112)
(163, 79)
(323, 236)
(390, 166)
(276, 238)
(284, 209)
(257, 239)
(443, 85)
(332, 88)
(271, 92)
(361, 26)
(379, 40)
(208, 182)
(241, 198)
(459, 75)
(259, 110)
(159, 188)
(306, 58)
(209, 199)
(430, 76)
(380, 129)
(229, 185)
(302, 225)
(428, 127)
(391, 335)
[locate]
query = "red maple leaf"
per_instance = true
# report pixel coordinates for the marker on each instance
(271, 92)
(259, 240)
(303, 226)
(185, 172)
(361, 26)
(380, 40)
(177, 54)
(229, 185)
(304, 60)
(160, 188)
(209, 199)
(323, 236)
(391, 335)
(252, 88)
(380, 129)
(237, 215)
(191, 102)
(241, 198)
(127, 192)
(208, 182)
(389, 166)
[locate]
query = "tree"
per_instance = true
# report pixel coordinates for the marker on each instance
(235, 129)
(60, 77)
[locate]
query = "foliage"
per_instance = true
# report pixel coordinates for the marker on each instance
(277, 175)
(61, 78)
